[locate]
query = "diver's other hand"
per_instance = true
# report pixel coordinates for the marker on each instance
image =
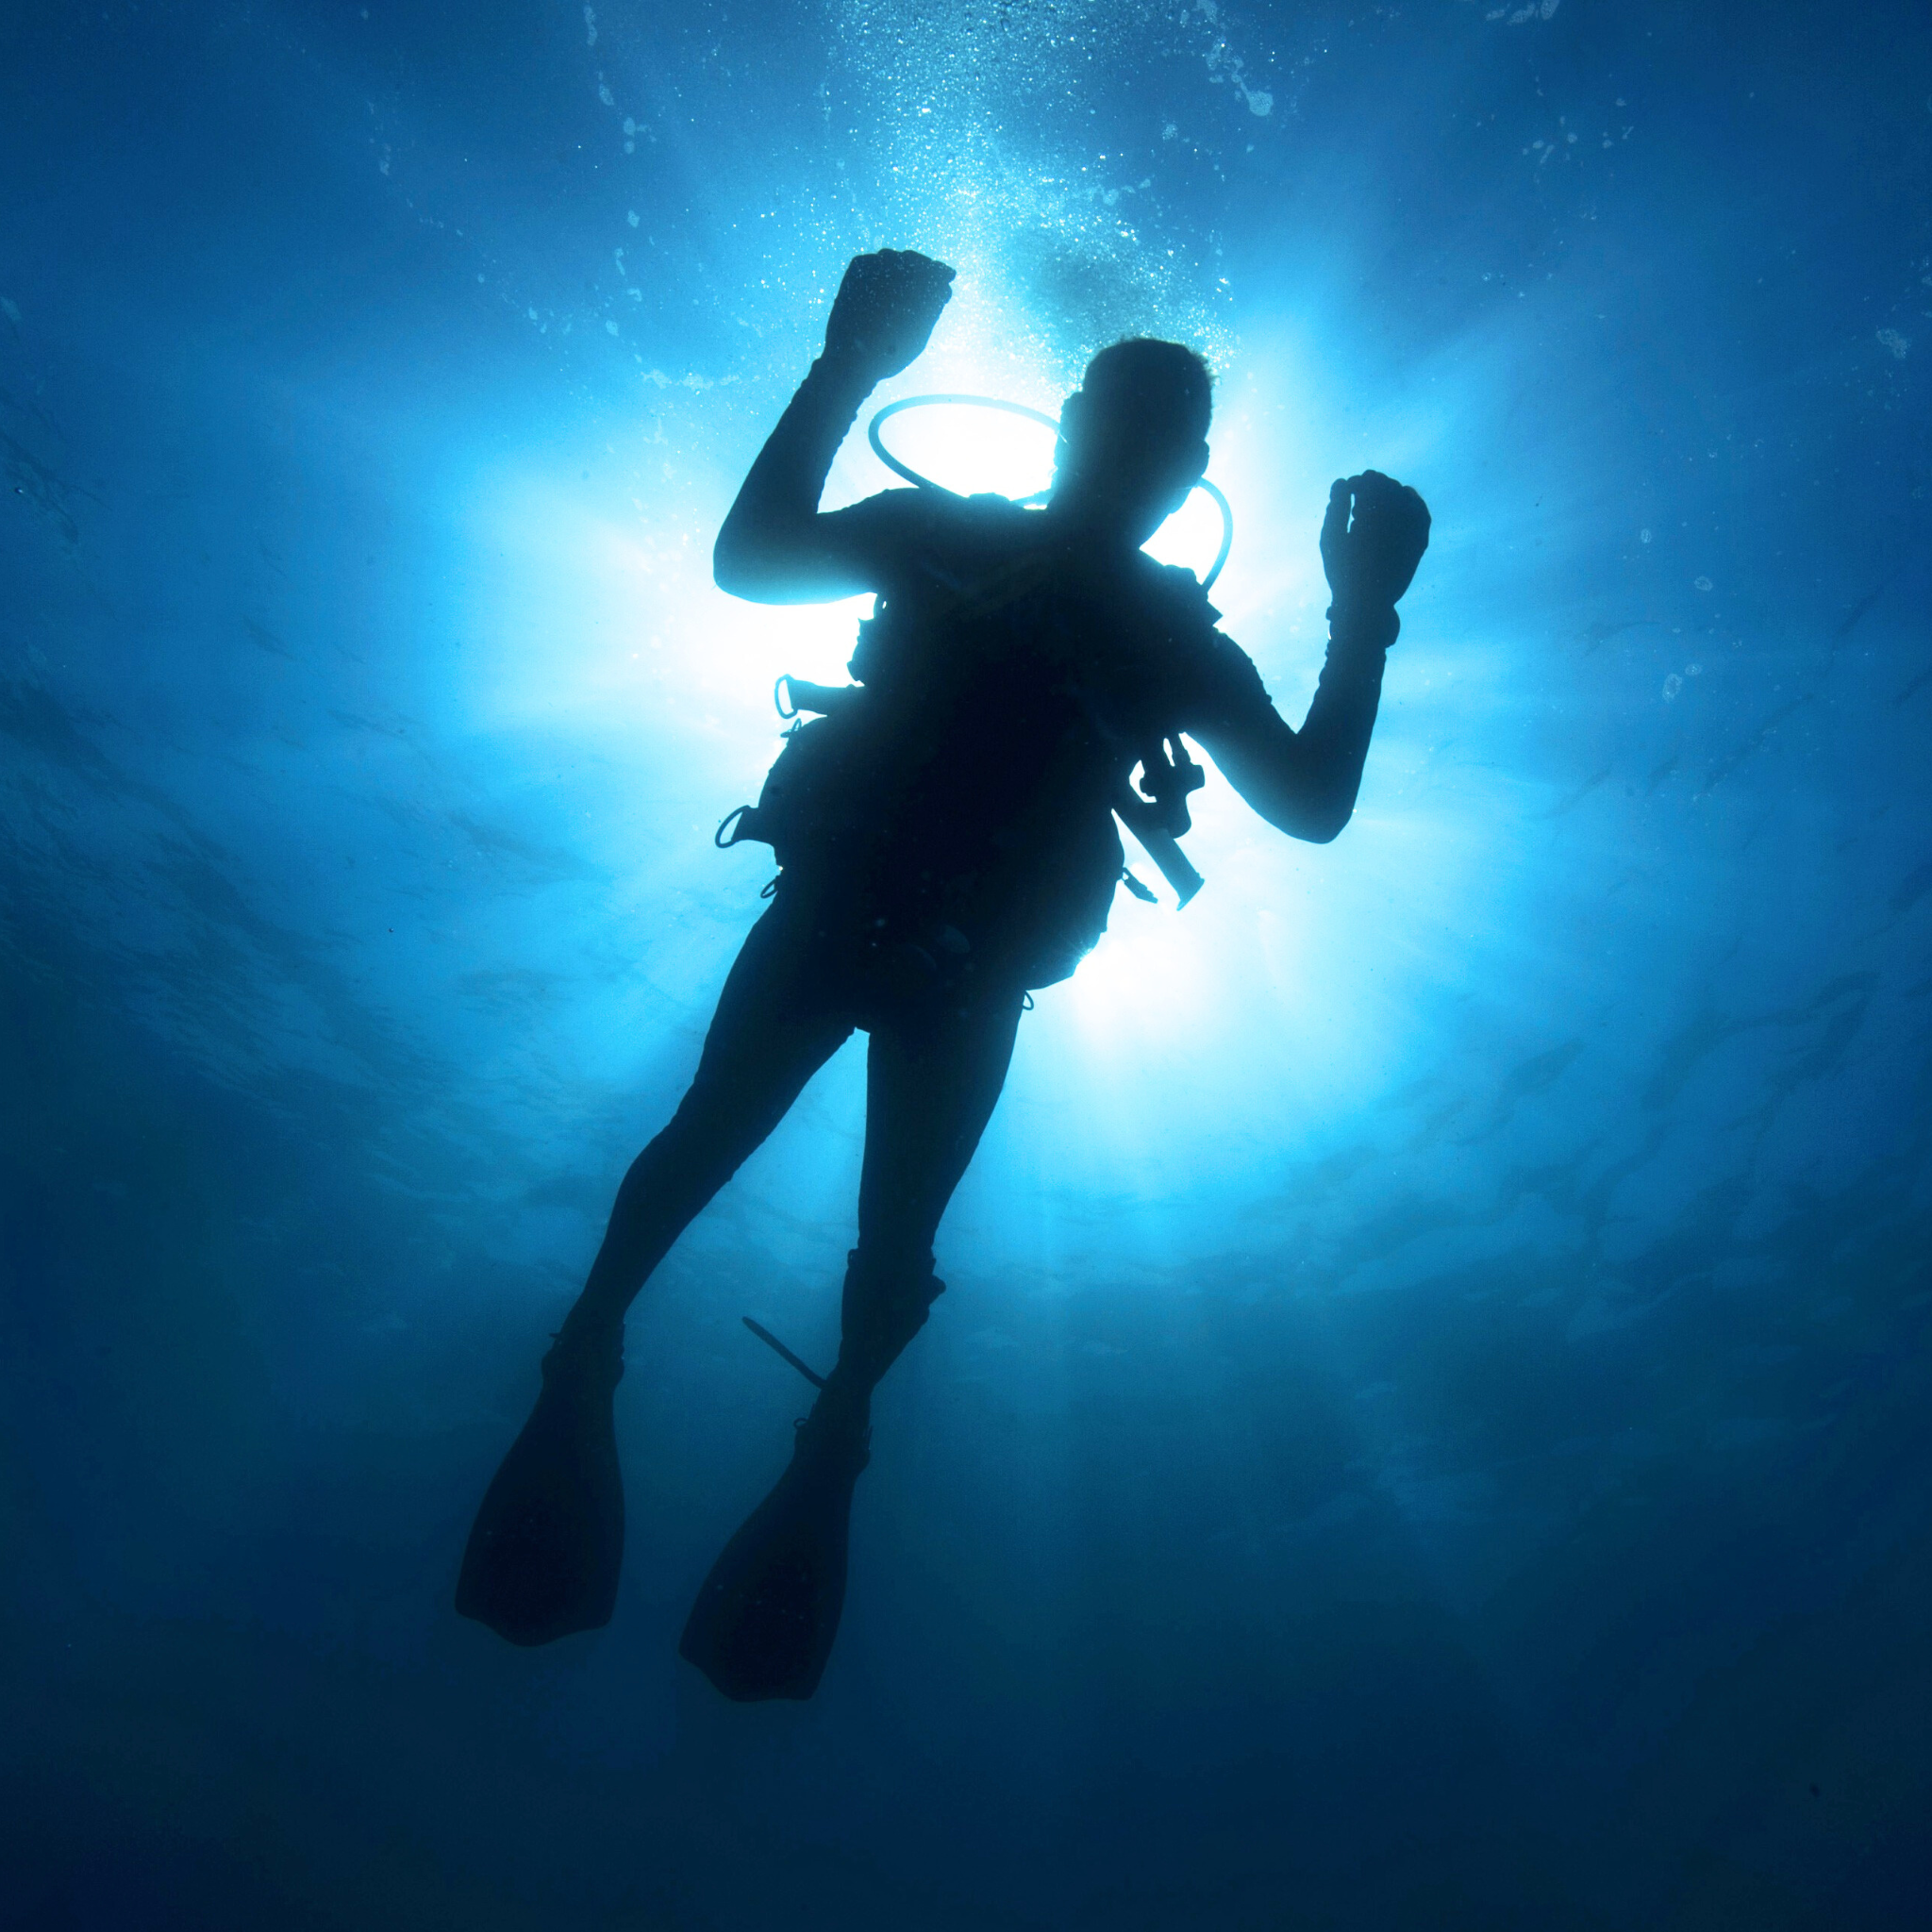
(1371, 561)
(883, 313)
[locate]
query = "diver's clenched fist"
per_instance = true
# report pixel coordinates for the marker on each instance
(885, 310)
(1371, 560)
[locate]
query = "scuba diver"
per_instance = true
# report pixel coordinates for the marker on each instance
(946, 842)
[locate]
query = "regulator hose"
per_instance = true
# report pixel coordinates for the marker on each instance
(912, 475)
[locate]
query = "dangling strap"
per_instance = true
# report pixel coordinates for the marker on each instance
(773, 1342)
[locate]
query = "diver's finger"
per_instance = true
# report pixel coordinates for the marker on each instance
(1335, 524)
(1418, 511)
(1377, 494)
(1403, 509)
(910, 261)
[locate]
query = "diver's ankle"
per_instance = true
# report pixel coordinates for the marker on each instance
(845, 1403)
(590, 1329)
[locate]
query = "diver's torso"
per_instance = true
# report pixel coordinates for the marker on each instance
(1012, 681)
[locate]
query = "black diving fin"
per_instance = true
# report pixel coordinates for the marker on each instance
(764, 1621)
(547, 1545)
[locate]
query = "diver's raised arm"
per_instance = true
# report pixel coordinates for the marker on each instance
(772, 548)
(1304, 782)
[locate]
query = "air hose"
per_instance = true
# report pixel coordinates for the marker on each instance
(912, 475)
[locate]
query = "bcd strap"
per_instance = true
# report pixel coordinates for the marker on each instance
(772, 1341)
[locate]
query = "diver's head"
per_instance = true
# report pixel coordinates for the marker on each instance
(1132, 438)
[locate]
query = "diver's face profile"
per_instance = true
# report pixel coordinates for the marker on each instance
(1119, 470)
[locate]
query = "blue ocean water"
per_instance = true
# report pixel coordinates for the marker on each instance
(1429, 1425)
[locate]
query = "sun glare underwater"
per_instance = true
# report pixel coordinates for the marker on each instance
(1428, 1426)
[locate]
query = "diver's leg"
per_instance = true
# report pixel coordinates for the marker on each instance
(931, 1087)
(766, 1616)
(779, 1022)
(547, 1545)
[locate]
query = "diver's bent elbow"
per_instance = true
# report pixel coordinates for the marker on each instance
(760, 569)
(736, 574)
(1321, 828)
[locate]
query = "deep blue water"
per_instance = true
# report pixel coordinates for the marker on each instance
(1430, 1424)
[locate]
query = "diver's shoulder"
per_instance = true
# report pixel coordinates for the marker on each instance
(994, 514)
(942, 515)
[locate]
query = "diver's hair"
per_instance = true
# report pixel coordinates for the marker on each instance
(1166, 382)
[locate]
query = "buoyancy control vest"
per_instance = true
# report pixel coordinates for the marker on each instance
(845, 793)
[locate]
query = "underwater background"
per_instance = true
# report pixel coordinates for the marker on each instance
(1431, 1424)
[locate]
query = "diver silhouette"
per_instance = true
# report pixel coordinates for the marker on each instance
(946, 834)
